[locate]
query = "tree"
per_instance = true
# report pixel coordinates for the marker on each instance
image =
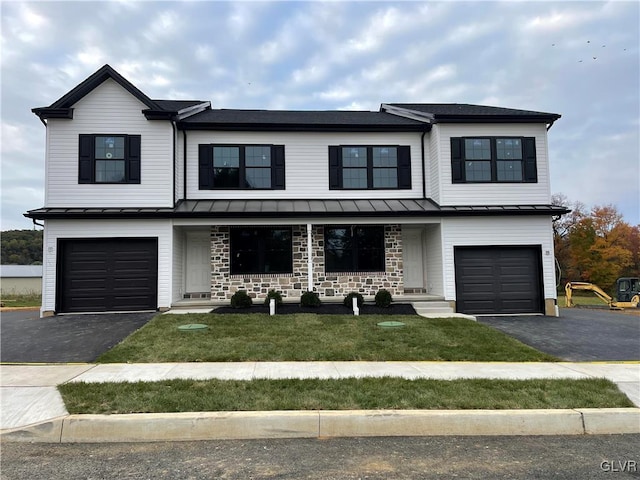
(596, 247)
(21, 247)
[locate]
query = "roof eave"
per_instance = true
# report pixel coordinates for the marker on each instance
(48, 112)
(143, 213)
(158, 114)
(496, 118)
(297, 127)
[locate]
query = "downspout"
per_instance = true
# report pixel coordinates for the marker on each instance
(309, 260)
(175, 135)
(184, 165)
(424, 173)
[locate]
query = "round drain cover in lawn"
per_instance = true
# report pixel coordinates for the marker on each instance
(193, 327)
(391, 324)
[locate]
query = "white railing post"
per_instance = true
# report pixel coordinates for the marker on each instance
(356, 310)
(309, 259)
(272, 306)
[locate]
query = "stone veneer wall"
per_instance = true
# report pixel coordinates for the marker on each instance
(224, 285)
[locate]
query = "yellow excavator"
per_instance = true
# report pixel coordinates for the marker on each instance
(627, 293)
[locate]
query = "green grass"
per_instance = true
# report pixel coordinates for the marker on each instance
(344, 394)
(311, 337)
(582, 298)
(21, 300)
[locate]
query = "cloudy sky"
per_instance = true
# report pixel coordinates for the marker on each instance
(579, 59)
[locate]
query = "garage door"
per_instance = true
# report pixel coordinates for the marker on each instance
(498, 280)
(102, 275)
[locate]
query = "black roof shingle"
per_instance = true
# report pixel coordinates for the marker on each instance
(300, 120)
(442, 112)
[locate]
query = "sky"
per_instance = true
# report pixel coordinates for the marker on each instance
(578, 59)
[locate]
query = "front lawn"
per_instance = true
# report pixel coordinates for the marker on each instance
(343, 394)
(21, 300)
(311, 337)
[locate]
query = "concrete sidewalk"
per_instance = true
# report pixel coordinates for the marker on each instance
(32, 408)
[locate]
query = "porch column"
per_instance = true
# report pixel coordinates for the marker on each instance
(309, 259)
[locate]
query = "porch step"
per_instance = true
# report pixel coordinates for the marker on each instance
(437, 309)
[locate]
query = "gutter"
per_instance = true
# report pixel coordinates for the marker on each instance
(184, 165)
(175, 135)
(424, 173)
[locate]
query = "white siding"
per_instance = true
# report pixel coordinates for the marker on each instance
(160, 229)
(487, 231)
(494, 193)
(178, 255)
(433, 260)
(434, 163)
(109, 109)
(306, 163)
(180, 166)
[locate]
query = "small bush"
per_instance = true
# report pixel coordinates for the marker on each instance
(310, 299)
(383, 298)
(273, 294)
(348, 300)
(241, 299)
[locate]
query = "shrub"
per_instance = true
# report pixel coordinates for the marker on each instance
(273, 294)
(348, 300)
(310, 299)
(241, 299)
(383, 298)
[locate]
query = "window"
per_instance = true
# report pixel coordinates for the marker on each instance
(369, 167)
(354, 249)
(241, 167)
(257, 250)
(493, 159)
(109, 159)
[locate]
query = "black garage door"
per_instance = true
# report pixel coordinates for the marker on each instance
(494, 280)
(107, 274)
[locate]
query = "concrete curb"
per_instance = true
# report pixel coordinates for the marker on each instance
(157, 427)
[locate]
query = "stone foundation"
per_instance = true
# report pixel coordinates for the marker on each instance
(224, 285)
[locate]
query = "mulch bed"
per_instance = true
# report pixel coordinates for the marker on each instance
(324, 309)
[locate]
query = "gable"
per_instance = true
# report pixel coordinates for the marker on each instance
(107, 101)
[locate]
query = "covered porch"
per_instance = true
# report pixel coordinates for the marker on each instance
(333, 257)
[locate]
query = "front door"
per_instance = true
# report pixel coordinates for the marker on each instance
(412, 258)
(198, 263)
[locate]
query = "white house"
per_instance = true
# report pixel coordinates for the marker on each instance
(151, 203)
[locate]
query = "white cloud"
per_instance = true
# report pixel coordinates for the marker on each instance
(349, 55)
(163, 25)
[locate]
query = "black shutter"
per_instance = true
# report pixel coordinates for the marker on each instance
(85, 159)
(529, 157)
(457, 161)
(277, 167)
(205, 167)
(404, 167)
(133, 157)
(334, 168)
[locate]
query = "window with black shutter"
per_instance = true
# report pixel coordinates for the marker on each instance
(241, 167)
(493, 160)
(106, 158)
(366, 167)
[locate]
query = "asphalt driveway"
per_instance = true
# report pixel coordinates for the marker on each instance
(26, 338)
(579, 334)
